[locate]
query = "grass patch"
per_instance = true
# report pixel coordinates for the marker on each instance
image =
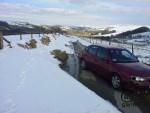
(32, 44)
(147, 64)
(45, 40)
(29, 45)
(61, 56)
(147, 98)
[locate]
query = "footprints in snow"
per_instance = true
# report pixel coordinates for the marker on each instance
(24, 72)
(9, 106)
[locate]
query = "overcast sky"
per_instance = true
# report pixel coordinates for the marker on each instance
(77, 12)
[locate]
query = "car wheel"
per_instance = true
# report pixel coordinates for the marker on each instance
(116, 81)
(83, 64)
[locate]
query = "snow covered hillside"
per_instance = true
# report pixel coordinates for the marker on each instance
(21, 24)
(32, 82)
(118, 29)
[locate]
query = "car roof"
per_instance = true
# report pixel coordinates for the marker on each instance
(107, 46)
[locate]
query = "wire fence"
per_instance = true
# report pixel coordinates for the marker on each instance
(142, 52)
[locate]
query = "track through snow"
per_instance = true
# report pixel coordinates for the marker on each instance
(32, 82)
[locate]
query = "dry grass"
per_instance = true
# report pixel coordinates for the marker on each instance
(61, 56)
(32, 44)
(147, 64)
(45, 40)
(29, 45)
(147, 98)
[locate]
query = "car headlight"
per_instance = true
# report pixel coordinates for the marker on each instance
(137, 78)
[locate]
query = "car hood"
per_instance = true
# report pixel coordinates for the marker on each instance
(137, 68)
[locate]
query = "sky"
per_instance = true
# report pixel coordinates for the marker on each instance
(77, 12)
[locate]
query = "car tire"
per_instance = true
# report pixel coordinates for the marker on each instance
(83, 64)
(116, 81)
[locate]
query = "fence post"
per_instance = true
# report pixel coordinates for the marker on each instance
(149, 57)
(31, 35)
(20, 36)
(92, 41)
(96, 41)
(132, 49)
(1, 40)
(109, 41)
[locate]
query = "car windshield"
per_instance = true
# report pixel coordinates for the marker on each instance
(122, 56)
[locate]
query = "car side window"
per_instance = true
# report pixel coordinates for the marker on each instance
(92, 50)
(101, 54)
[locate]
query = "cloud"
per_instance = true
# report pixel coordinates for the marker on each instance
(60, 11)
(38, 14)
(78, 12)
(114, 8)
(144, 1)
(19, 8)
(79, 1)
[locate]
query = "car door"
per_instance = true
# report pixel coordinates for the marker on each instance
(101, 62)
(92, 50)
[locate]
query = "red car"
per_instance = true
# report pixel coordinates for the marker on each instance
(118, 65)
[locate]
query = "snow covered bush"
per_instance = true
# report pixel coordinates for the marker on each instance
(45, 40)
(23, 46)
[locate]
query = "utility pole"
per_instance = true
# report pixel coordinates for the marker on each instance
(31, 36)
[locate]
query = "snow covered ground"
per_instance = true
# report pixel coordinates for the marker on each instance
(140, 39)
(32, 82)
(145, 34)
